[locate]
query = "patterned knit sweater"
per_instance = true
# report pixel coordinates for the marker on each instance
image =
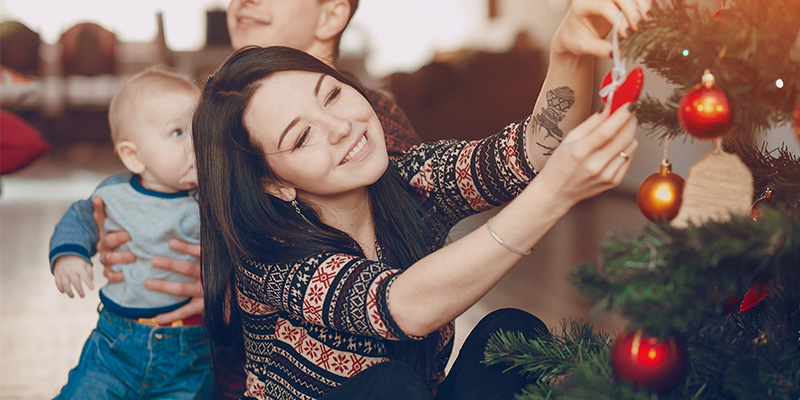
(311, 324)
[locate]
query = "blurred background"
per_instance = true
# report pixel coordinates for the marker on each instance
(459, 68)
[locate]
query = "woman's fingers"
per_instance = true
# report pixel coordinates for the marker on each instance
(633, 15)
(601, 134)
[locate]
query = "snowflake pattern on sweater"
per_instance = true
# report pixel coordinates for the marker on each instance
(311, 324)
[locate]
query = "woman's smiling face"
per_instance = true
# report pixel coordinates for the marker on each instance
(321, 137)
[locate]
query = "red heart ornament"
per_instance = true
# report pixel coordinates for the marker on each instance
(754, 295)
(628, 91)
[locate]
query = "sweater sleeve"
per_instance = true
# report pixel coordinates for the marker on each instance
(462, 178)
(76, 232)
(338, 291)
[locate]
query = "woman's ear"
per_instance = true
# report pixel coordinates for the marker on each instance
(130, 157)
(280, 190)
(334, 18)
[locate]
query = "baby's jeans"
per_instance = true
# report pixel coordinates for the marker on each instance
(123, 359)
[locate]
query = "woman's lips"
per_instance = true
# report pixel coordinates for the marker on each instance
(356, 149)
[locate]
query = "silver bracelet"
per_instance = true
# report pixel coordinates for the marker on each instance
(502, 242)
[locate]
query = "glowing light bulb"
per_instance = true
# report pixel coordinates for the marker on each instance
(685, 52)
(779, 83)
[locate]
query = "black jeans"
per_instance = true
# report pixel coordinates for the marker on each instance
(468, 379)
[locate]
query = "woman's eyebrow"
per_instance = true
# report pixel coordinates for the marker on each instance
(319, 83)
(296, 120)
(285, 131)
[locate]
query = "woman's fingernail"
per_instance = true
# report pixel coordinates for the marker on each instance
(632, 107)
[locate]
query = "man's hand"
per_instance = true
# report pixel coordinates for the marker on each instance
(69, 271)
(107, 242)
(192, 289)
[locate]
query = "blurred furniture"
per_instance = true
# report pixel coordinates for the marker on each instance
(88, 49)
(471, 94)
(19, 47)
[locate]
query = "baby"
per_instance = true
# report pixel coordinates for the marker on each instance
(128, 353)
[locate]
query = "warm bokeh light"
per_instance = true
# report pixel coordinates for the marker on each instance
(664, 193)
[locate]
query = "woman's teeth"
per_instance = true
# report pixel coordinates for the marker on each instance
(355, 150)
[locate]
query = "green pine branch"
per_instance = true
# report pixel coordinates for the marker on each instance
(686, 273)
(777, 170)
(748, 47)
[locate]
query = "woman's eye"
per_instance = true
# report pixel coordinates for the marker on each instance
(301, 140)
(176, 132)
(333, 95)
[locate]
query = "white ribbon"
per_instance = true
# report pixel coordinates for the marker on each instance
(618, 71)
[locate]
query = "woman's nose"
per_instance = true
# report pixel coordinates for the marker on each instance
(337, 128)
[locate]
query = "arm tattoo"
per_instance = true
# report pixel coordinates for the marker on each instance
(559, 101)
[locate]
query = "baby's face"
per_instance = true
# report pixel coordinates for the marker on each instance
(164, 142)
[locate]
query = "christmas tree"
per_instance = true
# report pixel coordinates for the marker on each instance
(711, 291)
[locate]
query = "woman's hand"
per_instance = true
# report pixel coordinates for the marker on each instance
(192, 289)
(593, 157)
(587, 23)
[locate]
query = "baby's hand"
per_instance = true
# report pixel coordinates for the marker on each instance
(69, 271)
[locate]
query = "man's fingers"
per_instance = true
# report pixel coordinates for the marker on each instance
(184, 267)
(194, 307)
(113, 276)
(99, 213)
(191, 249)
(112, 240)
(193, 289)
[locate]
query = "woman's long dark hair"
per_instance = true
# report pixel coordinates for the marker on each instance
(240, 221)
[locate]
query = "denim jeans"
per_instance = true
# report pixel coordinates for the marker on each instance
(123, 359)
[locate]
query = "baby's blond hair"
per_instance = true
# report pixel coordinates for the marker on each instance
(142, 87)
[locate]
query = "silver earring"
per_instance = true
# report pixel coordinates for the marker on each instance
(297, 208)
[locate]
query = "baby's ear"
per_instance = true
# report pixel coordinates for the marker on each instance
(333, 19)
(130, 157)
(280, 190)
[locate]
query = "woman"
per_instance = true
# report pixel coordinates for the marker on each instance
(331, 258)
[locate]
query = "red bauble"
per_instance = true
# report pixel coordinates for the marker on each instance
(647, 362)
(660, 195)
(704, 110)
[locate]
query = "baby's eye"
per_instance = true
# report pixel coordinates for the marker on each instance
(176, 132)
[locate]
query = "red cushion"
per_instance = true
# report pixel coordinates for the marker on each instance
(20, 143)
